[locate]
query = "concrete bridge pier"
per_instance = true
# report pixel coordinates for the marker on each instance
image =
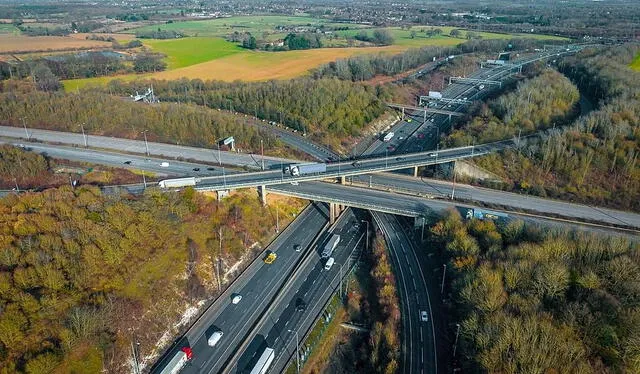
(342, 179)
(415, 171)
(262, 191)
(334, 212)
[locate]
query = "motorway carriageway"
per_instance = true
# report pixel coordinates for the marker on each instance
(381, 181)
(314, 287)
(418, 336)
(257, 284)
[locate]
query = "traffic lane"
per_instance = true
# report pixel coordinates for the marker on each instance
(315, 291)
(258, 342)
(380, 200)
(256, 291)
(112, 159)
(302, 288)
(138, 146)
(507, 199)
(425, 357)
(403, 295)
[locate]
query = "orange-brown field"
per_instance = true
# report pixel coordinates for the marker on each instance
(23, 44)
(257, 66)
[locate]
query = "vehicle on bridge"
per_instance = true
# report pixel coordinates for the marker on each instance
(264, 362)
(331, 245)
(388, 137)
(302, 169)
(177, 182)
(178, 361)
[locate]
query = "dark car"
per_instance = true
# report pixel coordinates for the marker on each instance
(301, 306)
(127, 162)
(196, 169)
(211, 169)
(399, 158)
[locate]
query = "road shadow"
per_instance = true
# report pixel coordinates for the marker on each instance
(251, 355)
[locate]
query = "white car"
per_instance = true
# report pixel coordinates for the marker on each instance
(164, 164)
(424, 317)
(236, 299)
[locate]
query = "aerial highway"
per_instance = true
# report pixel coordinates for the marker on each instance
(419, 353)
(386, 183)
(413, 206)
(257, 285)
(304, 297)
(173, 151)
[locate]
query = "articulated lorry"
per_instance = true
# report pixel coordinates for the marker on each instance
(330, 246)
(264, 362)
(302, 169)
(178, 182)
(178, 361)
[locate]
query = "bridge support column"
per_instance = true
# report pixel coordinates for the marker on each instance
(262, 191)
(415, 171)
(342, 179)
(332, 213)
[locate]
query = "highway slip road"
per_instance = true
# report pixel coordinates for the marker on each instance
(257, 285)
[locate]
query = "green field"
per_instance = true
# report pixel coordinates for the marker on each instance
(256, 25)
(8, 29)
(635, 64)
(421, 39)
(190, 51)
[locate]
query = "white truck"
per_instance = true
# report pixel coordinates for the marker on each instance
(330, 246)
(178, 361)
(178, 182)
(264, 362)
(435, 94)
(301, 169)
(388, 137)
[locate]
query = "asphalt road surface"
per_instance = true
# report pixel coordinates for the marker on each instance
(138, 146)
(305, 297)
(257, 285)
(418, 333)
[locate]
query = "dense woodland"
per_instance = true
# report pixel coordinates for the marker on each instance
(364, 67)
(103, 114)
(545, 101)
(329, 110)
(81, 274)
(532, 300)
(595, 159)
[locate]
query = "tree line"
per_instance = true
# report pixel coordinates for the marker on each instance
(595, 159)
(364, 67)
(103, 114)
(81, 272)
(544, 101)
(534, 300)
(329, 110)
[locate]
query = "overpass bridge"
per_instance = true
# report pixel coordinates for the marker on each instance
(343, 169)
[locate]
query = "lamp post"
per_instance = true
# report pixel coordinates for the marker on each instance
(146, 143)
(84, 136)
(25, 129)
(367, 239)
(262, 153)
(297, 351)
(455, 344)
(444, 272)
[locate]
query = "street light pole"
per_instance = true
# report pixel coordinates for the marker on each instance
(386, 158)
(224, 178)
(146, 143)
(455, 344)
(367, 241)
(25, 129)
(84, 136)
(262, 153)
(444, 272)
(297, 351)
